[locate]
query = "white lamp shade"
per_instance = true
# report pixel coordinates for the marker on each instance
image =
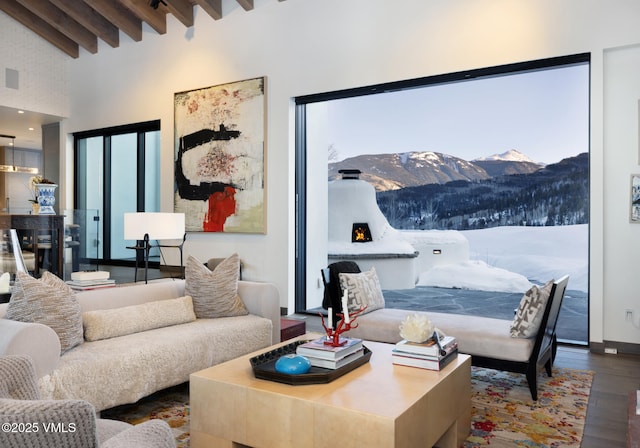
(159, 226)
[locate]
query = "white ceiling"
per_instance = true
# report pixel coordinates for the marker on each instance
(18, 124)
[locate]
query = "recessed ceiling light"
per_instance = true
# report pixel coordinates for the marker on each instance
(31, 129)
(20, 111)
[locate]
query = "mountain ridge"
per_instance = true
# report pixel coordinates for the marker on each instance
(393, 171)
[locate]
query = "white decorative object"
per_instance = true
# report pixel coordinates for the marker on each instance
(46, 198)
(345, 307)
(5, 283)
(416, 328)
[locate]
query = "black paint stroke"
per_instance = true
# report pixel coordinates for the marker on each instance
(200, 192)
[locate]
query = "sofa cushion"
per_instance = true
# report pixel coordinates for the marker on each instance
(528, 317)
(363, 290)
(121, 370)
(49, 301)
(104, 324)
(479, 336)
(214, 293)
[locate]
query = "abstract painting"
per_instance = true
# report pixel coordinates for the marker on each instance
(219, 157)
(635, 199)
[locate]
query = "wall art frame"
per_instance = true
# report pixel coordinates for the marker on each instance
(219, 156)
(634, 200)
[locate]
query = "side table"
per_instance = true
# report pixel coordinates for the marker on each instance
(290, 328)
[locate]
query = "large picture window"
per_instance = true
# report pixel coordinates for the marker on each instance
(495, 160)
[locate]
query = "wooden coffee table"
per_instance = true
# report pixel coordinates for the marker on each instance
(376, 405)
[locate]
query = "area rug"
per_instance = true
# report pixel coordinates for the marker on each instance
(170, 405)
(503, 413)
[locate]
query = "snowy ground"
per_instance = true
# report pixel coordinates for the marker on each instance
(508, 258)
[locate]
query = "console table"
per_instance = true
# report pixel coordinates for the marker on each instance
(30, 226)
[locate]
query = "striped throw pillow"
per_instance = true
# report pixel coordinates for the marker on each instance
(47, 301)
(214, 293)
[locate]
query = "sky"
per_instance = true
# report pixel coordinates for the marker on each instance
(543, 114)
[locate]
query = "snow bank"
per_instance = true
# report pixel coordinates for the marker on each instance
(502, 257)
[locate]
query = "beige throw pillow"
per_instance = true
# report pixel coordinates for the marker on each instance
(363, 290)
(528, 318)
(105, 324)
(48, 301)
(214, 293)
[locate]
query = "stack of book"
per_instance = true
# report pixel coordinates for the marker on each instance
(425, 355)
(320, 354)
(87, 280)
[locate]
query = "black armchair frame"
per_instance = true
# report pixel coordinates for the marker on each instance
(545, 347)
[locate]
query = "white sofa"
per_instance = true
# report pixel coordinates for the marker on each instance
(123, 369)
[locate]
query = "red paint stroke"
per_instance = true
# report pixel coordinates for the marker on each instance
(222, 204)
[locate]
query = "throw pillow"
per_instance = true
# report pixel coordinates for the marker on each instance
(49, 301)
(528, 318)
(363, 289)
(105, 324)
(214, 293)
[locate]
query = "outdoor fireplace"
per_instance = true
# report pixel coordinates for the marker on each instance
(358, 231)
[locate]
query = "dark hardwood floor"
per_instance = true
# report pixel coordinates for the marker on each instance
(615, 376)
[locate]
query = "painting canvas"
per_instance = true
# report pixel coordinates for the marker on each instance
(635, 198)
(219, 157)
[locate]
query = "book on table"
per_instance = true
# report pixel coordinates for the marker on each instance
(336, 363)
(86, 285)
(423, 361)
(89, 275)
(429, 347)
(317, 348)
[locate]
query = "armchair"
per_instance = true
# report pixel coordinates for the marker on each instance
(28, 421)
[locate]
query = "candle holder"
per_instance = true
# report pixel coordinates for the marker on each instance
(333, 335)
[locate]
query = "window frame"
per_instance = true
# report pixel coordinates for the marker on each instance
(300, 267)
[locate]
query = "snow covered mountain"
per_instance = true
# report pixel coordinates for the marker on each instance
(513, 155)
(395, 171)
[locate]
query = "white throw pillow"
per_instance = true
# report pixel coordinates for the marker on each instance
(105, 324)
(528, 318)
(363, 289)
(49, 301)
(214, 293)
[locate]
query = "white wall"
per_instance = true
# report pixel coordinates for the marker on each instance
(622, 239)
(43, 81)
(307, 47)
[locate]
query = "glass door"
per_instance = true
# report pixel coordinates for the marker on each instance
(117, 172)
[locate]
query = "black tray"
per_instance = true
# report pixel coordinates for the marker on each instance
(264, 367)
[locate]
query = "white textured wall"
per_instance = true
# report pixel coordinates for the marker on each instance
(307, 47)
(42, 71)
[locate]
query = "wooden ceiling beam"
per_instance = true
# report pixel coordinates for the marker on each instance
(182, 10)
(40, 27)
(156, 18)
(63, 23)
(211, 7)
(120, 16)
(246, 4)
(90, 19)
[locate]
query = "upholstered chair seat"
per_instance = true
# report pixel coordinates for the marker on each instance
(27, 421)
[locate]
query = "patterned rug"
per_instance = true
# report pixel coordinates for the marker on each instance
(503, 413)
(170, 405)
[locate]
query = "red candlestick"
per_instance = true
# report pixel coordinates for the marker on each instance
(333, 335)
